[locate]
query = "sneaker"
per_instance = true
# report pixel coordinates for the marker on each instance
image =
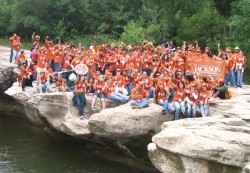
(134, 107)
(92, 108)
(81, 117)
(23, 89)
(163, 112)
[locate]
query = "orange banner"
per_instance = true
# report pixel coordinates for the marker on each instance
(208, 67)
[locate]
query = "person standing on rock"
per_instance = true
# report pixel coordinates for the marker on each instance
(16, 49)
(11, 45)
(139, 97)
(79, 95)
(204, 97)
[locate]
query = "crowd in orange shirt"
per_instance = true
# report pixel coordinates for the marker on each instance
(115, 72)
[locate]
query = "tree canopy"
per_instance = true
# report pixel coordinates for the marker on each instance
(208, 21)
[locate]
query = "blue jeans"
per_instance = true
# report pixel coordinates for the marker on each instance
(151, 93)
(165, 105)
(179, 106)
(57, 66)
(142, 103)
(11, 54)
(171, 97)
(14, 56)
(226, 78)
(128, 88)
(119, 97)
(204, 109)
(79, 104)
(239, 78)
(43, 87)
(191, 111)
(232, 77)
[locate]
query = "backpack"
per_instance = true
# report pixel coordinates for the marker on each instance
(229, 94)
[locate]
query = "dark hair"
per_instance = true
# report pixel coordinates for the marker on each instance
(189, 77)
(181, 81)
(204, 79)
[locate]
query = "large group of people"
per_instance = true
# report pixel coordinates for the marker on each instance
(126, 73)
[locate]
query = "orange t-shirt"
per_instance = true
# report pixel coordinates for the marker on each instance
(119, 81)
(99, 87)
(109, 90)
(81, 86)
(179, 94)
(139, 94)
(161, 95)
(41, 60)
(203, 96)
(59, 82)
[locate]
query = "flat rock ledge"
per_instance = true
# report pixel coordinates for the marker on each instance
(216, 144)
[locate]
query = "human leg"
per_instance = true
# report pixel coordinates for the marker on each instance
(177, 108)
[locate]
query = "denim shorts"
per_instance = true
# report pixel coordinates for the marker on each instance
(99, 95)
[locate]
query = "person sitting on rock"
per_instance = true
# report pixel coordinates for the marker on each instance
(98, 87)
(79, 95)
(139, 97)
(110, 94)
(161, 97)
(22, 60)
(60, 83)
(191, 97)
(43, 83)
(178, 100)
(24, 78)
(204, 97)
(221, 90)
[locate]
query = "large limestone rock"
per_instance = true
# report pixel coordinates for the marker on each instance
(125, 124)
(220, 143)
(55, 110)
(8, 75)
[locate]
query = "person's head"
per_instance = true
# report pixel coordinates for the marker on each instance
(221, 82)
(144, 74)
(82, 78)
(37, 38)
(192, 86)
(124, 72)
(181, 84)
(236, 49)
(207, 49)
(140, 84)
(22, 52)
(118, 72)
(101, 78)
(204, 86)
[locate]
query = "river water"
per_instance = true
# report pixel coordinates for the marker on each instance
(25, 148)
